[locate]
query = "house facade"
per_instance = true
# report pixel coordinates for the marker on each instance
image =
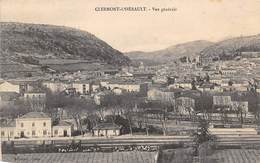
(62, 129)
(9, 87)
(106, 129)
(37, 100)
(81, 87)
(34, 125)
(185, 105)
(18, 86)
(56, 86)
(161, 95)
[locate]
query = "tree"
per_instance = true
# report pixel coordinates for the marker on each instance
(224, 115)
(255, 100)
(204, 104)
(101, 111)
(79, 109)
(202, 134)
(241, 113)
(123, 105)
(143, 119)
(190, 111)
(13, 111)
(129, 102)
(207, 78)
(170, 80)
(162, 116)
(230, 83)
(55, 101)
(193, 85)
(90, 121)
(112, 104)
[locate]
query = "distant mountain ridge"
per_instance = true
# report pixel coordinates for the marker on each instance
(49, 41)
(231, 47)
(224, 49)
(189, 49)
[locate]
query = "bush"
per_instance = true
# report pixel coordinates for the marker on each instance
(155, 130)
(75, 133)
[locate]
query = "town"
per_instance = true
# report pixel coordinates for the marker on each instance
(51, 103)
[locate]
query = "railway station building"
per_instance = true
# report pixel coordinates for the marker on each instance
(106, 129)
(34, 125)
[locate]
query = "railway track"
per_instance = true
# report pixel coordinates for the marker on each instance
(221, 139)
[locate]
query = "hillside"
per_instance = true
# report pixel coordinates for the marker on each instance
(23, 42)
(231, 47)
(189, 49)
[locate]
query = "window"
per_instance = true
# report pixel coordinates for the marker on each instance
(44, 124)
(11, 133)
(65, 133)
(44, 132)
(33, 133)
(21, 124)
(55, 132)
(84, 89)
(2, 133)
(33, 124)
(22, 134)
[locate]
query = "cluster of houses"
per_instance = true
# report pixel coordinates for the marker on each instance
(29, 89)
(40, 125)
(178, 84)
(37, 124)
(185, 100)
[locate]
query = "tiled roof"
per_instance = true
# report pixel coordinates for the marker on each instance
(63, 123)
(108, 126)
(35, 115)
(35, 91)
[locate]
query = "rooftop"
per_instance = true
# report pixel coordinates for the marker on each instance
(34, 115)
(63, 123)
(109, 126)
(35, 91)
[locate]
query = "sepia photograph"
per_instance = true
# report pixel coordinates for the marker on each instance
(130, 81)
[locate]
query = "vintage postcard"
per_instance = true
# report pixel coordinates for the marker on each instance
(130, 81)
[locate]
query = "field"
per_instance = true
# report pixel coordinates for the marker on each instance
(93, 157)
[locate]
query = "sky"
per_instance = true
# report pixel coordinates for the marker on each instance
(212, 20)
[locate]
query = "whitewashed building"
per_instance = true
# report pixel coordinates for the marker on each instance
(106, 129)
(34, 125)
(62, 129)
